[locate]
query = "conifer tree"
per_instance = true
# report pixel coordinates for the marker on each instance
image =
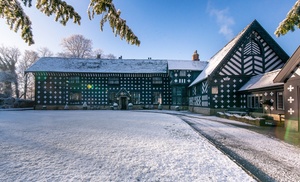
(291, 21)
(16, 18)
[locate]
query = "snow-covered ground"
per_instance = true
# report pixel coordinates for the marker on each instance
(107, 146)
(267, 157)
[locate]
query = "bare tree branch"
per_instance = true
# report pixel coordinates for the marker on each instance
(77, 46)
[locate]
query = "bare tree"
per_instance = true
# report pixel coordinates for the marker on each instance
(110, 56)
(26, 81)
(76, 46)
(45, 52)
(8, 60)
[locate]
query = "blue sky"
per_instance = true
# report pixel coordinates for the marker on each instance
(167, 29)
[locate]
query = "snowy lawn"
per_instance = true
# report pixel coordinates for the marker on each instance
(107, 146)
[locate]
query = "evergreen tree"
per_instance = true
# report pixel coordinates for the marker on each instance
(291, 21)
(16, 18)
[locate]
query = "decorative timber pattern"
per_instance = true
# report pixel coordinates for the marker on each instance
(204, 87)
(100, 89)
(250, 53)
(253, 57)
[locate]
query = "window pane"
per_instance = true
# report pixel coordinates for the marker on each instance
(135, 97)
(179, 92)
(279, 100)
(182, 73)
(157, 80)
(113, 80)
(74, 81)
(75, 96)
(111, 97)
(157, 98)
(250, 101)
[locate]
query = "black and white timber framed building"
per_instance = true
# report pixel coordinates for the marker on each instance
(101, 83)
(252, 52)
(252, 73)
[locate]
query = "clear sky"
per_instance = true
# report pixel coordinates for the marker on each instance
(167, 29)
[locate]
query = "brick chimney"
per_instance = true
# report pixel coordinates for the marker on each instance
(195, 56)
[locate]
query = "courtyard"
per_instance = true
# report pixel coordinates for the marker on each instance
(107, 146)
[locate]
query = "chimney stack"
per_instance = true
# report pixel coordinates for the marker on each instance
(195, 56)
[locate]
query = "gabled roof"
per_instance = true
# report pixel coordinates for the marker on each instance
(186, 65)
(216, 60)
(75, 65)
(261, 81)
(289, 68)
(224, 54)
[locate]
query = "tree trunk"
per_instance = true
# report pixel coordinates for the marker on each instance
(25, 85)
(17, 89)
(7, 89)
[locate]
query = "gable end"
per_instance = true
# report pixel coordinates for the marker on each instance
(254, 53)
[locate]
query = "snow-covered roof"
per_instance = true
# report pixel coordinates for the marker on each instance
(186, 65)
(75, 65)
(218, 57)
(261, 81)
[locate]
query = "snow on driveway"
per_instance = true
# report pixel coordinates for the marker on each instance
(269, 158)
(107, 146)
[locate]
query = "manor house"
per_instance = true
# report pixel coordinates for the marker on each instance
(252, 72)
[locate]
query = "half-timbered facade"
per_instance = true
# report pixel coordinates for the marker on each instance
(290, 76)
(263, 96)
(250, 53)
(182, 74)
(102, 83)
(251, 72)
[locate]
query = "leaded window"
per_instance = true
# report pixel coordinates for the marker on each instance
(135, 97)
(280, 105)
(182, 73)
(112, 97)
(254, 101)
(113, 80)
(179, 96)
(157, 99)
(74, 82)
(157, 80)
(75, 96)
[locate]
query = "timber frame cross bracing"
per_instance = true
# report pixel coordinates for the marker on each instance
(254, 53)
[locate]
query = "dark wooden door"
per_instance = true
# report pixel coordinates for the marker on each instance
(123, 103)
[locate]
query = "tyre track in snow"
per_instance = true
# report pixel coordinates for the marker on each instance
(264, 158)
